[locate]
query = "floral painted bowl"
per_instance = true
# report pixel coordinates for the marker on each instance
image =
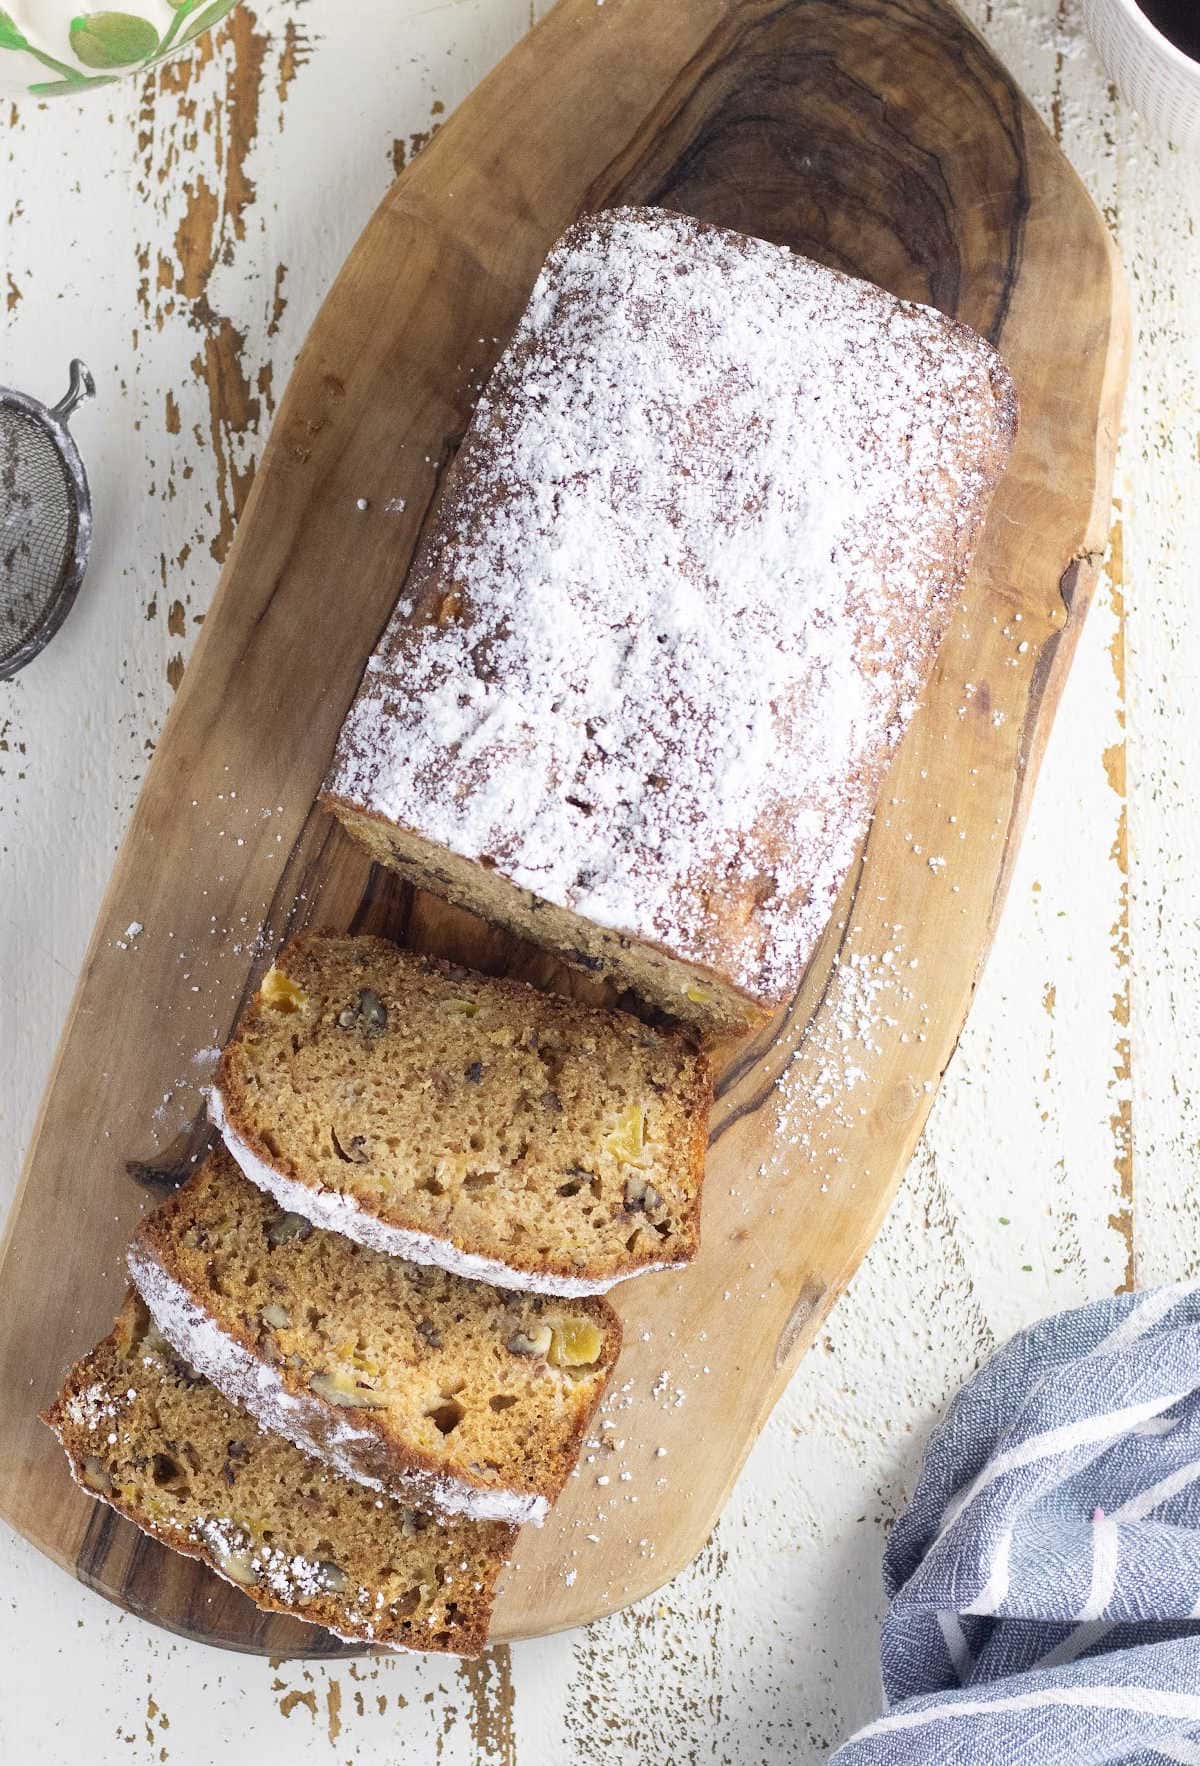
(46, 46)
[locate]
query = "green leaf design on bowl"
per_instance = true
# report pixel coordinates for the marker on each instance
(120, 41)
(10, 36)
(112, 39)
(205, 20)
(55, 88)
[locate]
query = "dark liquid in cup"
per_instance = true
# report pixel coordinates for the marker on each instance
(1177, 19)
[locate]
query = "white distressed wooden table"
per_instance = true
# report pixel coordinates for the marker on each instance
(179, 235)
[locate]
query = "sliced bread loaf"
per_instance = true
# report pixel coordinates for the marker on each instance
(447, 1392)
(439, 1115)
(146, 1434)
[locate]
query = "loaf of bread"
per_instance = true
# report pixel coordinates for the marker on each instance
(676, 607)
(452, 1394)
(430, 1113)
(144, 1432)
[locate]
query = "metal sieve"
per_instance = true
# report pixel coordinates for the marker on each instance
(45, 519)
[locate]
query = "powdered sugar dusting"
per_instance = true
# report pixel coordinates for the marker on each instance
(252, 1383)
(94, 1408)
(338, 1211)
(287, 1575)
(827, 1083)
(702, 541)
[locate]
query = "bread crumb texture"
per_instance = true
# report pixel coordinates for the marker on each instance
(467, 1121)
(147, 1434)
(460, 1394)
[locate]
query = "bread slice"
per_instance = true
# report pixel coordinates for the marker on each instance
(449, 1393)
(679, 600)
(144, 1432)
(438, 1115)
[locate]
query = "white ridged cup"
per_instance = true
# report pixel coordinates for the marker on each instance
(1158, 79)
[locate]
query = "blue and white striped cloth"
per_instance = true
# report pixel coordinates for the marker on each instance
(1045, 1579)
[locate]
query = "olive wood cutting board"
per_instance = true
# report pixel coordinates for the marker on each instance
(882, 137)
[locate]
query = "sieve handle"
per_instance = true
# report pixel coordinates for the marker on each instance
(82, 387)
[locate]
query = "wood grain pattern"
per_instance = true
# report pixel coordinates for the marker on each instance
(882, 137)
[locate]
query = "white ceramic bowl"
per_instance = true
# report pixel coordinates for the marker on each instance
(1158, 79)
(53, 47)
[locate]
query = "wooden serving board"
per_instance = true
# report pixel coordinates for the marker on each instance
(879, 136)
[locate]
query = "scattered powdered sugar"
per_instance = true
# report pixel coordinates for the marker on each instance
(288, 1575)
(339, 1212)
(856, 997)
(94, 1408)
(698, 551)
(868, 998)
(254, 1385)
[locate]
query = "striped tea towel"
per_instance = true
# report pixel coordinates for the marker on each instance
(1045, 1579)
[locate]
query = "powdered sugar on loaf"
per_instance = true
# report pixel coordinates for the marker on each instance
(706, 530)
